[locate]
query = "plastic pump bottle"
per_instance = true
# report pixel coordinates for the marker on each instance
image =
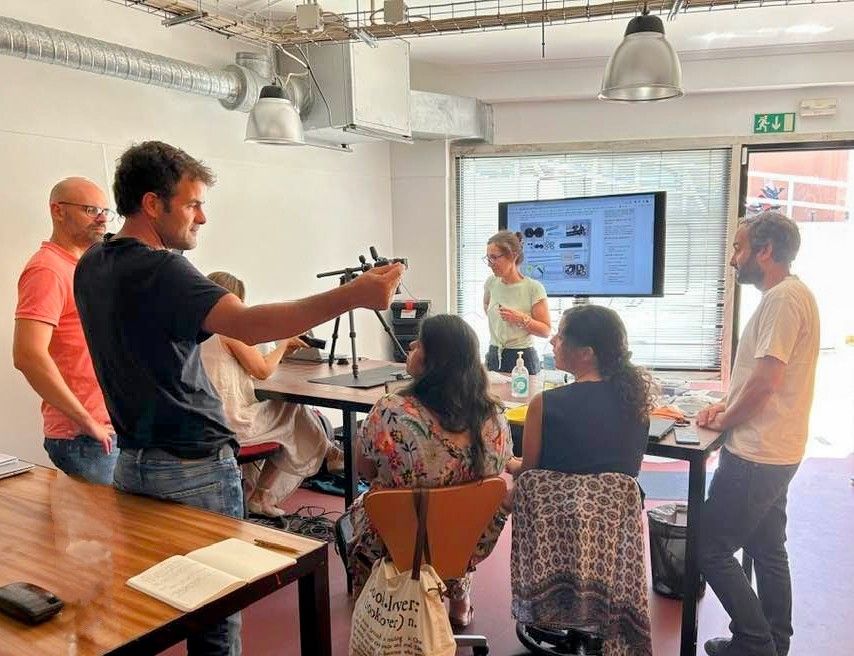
(519, 379)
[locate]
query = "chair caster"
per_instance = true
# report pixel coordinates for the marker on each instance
(548, 642)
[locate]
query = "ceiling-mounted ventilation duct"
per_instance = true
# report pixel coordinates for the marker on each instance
(235, 87)
(380, 105)
(358, 93)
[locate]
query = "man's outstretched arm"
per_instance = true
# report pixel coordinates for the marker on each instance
(255, 324)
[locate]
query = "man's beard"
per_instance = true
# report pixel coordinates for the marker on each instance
(749, 273)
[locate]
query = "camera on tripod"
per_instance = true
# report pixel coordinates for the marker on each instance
(383, 261)
(346, 275)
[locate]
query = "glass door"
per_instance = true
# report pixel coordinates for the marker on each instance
(814, 185)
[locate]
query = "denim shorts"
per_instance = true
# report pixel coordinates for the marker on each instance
(84, 457)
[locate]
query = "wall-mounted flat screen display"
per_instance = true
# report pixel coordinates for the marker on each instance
(593, 245)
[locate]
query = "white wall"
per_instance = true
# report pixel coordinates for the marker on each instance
(421, 212)
(276, 216)
(726, 114)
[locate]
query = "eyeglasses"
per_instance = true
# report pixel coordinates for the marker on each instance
(93, 211)
(492, 259)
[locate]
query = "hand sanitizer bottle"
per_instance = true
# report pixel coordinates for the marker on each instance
(519, 379)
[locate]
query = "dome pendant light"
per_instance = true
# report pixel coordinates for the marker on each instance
(274, 120)
(644, 66)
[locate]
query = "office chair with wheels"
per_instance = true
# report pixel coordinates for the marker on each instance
(577, 565)
(457, 517)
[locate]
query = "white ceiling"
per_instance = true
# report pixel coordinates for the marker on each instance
(817, 23)
(742, 28)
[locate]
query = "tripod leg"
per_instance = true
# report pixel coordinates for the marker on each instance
(334, 339)
(353, 344)
(396, 343)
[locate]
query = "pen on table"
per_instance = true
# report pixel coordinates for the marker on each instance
(277, 546)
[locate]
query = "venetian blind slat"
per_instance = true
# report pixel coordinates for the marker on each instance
(681, 330)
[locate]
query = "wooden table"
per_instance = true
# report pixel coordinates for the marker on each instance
(83, 542)
(290, 382)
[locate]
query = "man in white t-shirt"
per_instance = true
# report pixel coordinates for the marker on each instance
(766, 416)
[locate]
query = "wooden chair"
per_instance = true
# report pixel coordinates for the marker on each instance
(457, 516)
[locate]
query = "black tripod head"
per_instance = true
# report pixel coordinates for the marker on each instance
(351, 272)
(382, 261)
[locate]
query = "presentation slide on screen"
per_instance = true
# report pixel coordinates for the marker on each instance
(597, 246)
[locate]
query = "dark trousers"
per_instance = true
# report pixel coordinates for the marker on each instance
(746, 509)
(508, 359)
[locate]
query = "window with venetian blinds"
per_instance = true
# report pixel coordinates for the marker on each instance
(681, 330)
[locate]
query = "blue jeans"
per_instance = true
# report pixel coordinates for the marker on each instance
(212, 483)
(84, 457)
(746, 509)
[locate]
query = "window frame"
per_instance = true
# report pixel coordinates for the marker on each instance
(457, 151)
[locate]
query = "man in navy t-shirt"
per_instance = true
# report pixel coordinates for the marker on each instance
(145, 310)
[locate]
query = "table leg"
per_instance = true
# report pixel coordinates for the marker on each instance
(691, 582)
(351, 477)
(315, 625)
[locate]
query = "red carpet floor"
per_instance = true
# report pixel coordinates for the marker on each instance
(821, 530)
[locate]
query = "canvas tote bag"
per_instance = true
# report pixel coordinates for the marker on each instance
(401, 613)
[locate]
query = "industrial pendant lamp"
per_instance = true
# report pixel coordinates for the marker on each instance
(644, 66)
(274, 119)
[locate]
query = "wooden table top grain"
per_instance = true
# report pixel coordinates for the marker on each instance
(84, 541)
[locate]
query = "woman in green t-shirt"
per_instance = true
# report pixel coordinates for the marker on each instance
(516, 306)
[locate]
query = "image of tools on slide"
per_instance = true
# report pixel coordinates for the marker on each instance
(557, 250)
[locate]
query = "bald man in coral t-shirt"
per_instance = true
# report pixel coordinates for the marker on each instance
(49, 346)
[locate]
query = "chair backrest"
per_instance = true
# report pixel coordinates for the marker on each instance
(457, 516)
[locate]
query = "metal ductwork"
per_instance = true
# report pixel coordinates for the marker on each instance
(440, 116)
(236, 87)
(434, 116)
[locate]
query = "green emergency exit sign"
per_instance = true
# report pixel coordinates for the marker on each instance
(768, 123)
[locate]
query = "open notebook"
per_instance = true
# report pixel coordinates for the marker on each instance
(188, 582)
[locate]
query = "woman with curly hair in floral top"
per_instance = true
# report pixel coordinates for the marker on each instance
(443, 429)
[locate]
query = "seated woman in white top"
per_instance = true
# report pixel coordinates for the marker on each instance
(231, 366)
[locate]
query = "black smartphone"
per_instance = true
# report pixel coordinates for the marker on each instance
(313, 341)
(28, 602)
(687, 437)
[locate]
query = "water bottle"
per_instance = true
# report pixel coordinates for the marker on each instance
(519, 379)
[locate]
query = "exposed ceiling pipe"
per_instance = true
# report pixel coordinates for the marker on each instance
(236, 87)
(435, 116)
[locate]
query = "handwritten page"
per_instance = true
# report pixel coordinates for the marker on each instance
(184, 583)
